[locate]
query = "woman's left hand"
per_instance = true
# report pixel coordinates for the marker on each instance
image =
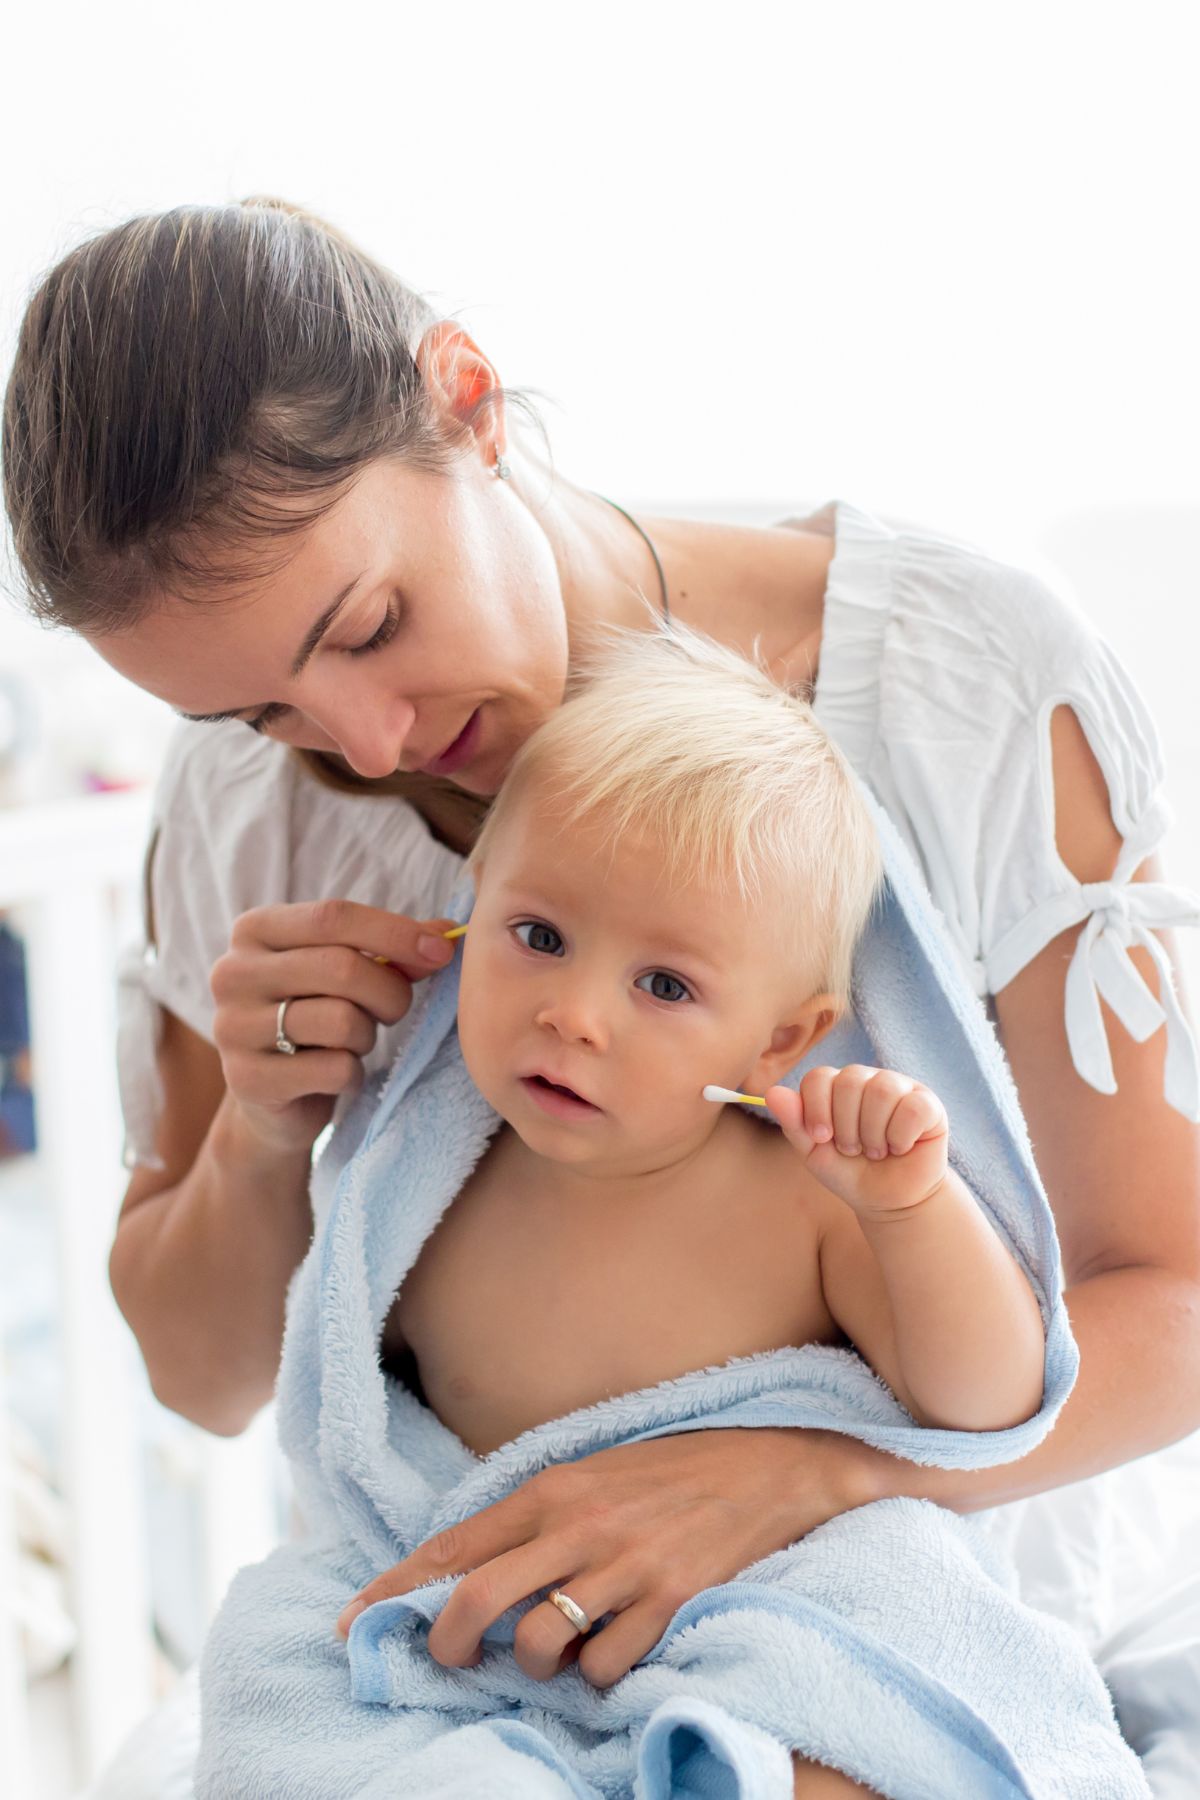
(635, 1531)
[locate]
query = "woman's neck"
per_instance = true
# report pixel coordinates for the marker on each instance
(740, 584)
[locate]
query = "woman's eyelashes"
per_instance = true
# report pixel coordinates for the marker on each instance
(543, 940)
(383, 634)
(268, 716)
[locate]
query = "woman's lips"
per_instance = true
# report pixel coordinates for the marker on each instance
(559, 1102)
(459, 752)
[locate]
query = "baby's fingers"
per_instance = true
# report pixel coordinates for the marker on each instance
(787, 1109)
(816, 1100)
(880, 1097)
(919, 1114)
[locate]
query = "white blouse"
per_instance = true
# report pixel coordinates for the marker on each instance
(938, 674)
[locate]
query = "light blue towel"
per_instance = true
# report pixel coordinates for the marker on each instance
(889, 1643)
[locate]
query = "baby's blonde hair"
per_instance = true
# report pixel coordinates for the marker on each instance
(669, 734)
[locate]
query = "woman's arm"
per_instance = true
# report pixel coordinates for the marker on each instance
(670, 1517)
(206, 1245)
(1122, 1172)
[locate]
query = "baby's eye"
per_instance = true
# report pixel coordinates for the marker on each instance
(542, 938)
(663, 986)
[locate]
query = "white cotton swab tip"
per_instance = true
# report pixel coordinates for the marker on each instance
(720, 1093)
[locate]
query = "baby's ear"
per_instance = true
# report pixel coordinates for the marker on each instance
(791, 1041)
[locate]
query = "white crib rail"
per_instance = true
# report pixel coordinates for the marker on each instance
(62, 865)
(16, 1754)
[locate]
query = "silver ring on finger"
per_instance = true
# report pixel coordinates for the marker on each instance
(573, 1613)
(283, 1042)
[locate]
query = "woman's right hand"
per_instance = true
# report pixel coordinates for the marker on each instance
(327, 959)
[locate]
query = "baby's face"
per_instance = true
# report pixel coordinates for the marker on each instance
(596, 1003)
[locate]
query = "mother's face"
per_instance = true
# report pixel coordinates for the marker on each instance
(420, 610)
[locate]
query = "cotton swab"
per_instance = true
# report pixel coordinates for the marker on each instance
(455, 931)
(720, 1093)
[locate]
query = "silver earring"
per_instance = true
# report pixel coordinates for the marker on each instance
(501, 469)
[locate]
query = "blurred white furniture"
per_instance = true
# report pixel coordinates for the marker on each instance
(71, 871)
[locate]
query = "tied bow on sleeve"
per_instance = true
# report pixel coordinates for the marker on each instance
(1119, 914)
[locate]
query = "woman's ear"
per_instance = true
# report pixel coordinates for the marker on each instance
(791, 1041)
(464, 384)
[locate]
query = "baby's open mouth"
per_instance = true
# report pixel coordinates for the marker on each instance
(556, 1092)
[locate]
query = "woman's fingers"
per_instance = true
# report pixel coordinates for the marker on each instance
(481, 1597)
(627, 1639)
(328, 1025)
(477, 1540)
(257, 1082)
(340, 970)
(541, 1637)
(415, 946)
(545, 1640)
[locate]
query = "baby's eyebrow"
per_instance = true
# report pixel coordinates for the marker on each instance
(671, 947)
(299, 661)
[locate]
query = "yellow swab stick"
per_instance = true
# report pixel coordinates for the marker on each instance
(720, 1093)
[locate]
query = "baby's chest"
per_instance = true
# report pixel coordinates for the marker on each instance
(520, 1309)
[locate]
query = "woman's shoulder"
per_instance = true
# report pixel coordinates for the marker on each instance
(944, 590)
(932, 643)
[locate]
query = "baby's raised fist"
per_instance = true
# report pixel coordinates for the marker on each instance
(875, 1138)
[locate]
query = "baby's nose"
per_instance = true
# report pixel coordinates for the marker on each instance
(576, 1018)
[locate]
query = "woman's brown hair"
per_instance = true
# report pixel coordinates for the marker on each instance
(176, 379)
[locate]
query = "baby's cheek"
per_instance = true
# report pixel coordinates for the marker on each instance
(476, 1043)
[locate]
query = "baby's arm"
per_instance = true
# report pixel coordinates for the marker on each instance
(913, 1272)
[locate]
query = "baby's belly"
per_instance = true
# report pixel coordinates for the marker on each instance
(507, 1335)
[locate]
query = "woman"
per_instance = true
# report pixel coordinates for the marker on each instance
(270, 487)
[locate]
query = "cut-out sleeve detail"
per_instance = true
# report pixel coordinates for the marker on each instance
(1116, 914)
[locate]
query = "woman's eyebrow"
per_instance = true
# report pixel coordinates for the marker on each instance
(299, 661)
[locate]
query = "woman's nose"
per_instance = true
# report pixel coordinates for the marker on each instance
(370, 737)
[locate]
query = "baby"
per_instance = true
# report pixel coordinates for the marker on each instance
(669, 890)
